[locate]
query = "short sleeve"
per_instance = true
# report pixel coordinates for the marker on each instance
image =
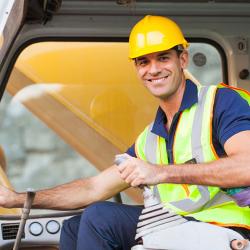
(231, 114)
(131, 151)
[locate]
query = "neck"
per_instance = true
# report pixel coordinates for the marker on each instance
(171, 105)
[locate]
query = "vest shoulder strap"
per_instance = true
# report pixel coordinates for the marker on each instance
(242, 92)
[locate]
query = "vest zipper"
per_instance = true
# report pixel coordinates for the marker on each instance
(171, 138)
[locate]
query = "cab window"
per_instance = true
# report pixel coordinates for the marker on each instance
(69, 107)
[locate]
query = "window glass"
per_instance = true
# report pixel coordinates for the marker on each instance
(70, 107)
(36, 156)
(205, 63)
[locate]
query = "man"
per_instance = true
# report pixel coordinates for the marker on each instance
(164, 153)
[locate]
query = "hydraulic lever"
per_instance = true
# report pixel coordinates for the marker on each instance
(25, 214)
(154, 216)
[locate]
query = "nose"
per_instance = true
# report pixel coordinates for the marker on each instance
(154, 68)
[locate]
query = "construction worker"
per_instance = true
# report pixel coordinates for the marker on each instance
(198, 144)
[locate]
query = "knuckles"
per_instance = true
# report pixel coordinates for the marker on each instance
(134, 171)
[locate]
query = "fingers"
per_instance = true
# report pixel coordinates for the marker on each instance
(127, 173)
(135, 171)
(127, 164)
(130, 177)
(128, 169)
(137, 182)
(135, 179)
(120, 158)
(122, 167)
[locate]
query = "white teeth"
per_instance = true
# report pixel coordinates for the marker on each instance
(158, 80)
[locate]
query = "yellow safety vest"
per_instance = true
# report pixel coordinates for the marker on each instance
(193, 140)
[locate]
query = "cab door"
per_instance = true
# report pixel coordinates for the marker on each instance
(12, 14)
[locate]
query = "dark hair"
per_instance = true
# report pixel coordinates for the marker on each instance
(179, 49)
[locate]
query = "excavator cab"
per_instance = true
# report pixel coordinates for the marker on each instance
(70, 97)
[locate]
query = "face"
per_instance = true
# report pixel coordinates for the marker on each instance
(162, 72)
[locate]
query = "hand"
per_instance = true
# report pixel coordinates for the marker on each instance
(137, 172)
(7, 197)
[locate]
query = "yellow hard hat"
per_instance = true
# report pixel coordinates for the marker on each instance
(153, 34)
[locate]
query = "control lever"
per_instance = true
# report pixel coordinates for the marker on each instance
(154, 216)
(30, 195)
(120, 159)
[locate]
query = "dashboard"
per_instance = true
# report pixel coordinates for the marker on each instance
(40, 230)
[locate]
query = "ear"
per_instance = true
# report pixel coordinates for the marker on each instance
(184, 59)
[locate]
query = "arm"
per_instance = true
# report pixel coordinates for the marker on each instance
(231, 128)
(73, 195)
(231, 171)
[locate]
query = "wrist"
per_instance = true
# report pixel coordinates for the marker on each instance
(15, 200)
(163, 176)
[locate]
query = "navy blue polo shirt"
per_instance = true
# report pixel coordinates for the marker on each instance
(231, 116)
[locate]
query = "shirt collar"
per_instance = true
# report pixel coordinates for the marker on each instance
(190, 97)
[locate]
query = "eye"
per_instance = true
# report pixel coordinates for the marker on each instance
(164, 58)
(141, 62)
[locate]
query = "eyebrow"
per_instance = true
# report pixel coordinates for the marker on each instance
(141, 58)
(164, 53)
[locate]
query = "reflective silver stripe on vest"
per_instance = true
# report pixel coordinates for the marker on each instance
(197, 152)
(150, 153)
(187, 204)
(151, 146)
(218, 199)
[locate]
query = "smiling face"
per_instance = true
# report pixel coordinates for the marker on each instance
(162, 72)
